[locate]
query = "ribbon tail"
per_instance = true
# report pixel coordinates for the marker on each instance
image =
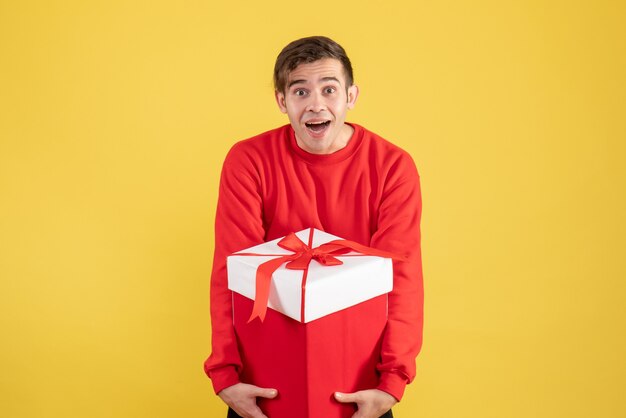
(263, 281)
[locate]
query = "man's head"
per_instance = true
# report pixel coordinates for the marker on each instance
(306, 51)
(314, 87)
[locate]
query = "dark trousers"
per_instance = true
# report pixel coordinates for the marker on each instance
(233, 414)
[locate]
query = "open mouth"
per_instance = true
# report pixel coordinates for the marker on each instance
(317, 127)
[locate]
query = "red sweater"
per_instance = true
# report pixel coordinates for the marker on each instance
(367, 192)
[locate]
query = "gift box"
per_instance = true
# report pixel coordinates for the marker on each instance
(303, 290)
(324, 327)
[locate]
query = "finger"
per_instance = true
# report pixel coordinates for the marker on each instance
(346, 397)
(254, 412)
(363, 413)
(258, 413)
(265, 393)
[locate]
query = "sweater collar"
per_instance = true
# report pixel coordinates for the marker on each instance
(335, 157)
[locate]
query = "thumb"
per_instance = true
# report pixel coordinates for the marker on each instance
(346, 397)
(266, 393)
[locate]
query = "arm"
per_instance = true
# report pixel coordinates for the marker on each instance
(399, 232)
(238, 225)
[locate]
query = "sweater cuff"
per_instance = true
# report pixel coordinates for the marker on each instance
(223, 377)
(393, 384)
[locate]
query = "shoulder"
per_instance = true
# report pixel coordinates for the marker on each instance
(257, 148)
(385, 154)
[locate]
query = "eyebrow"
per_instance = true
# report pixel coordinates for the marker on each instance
(304, 81)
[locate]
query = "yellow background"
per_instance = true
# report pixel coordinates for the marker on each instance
(115, 117)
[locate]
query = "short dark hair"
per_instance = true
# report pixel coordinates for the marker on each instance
(307, 50)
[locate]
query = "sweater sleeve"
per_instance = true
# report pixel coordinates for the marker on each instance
(398, 231)
(238, 225)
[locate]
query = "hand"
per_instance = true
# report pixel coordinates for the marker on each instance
(241, 397)
(371, 403)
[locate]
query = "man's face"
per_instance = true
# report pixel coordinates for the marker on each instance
(316, 101)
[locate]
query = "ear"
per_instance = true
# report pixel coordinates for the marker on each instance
(353, 93)
(280, 100)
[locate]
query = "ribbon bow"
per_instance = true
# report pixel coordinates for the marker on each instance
(300, 260)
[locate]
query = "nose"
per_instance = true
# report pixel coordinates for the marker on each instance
(316, 103)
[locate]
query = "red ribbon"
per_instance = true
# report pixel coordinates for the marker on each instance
(300, 260)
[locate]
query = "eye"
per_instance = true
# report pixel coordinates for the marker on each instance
(300, 92)
(329, 90)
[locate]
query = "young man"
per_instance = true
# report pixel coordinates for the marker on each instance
(321, 172)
